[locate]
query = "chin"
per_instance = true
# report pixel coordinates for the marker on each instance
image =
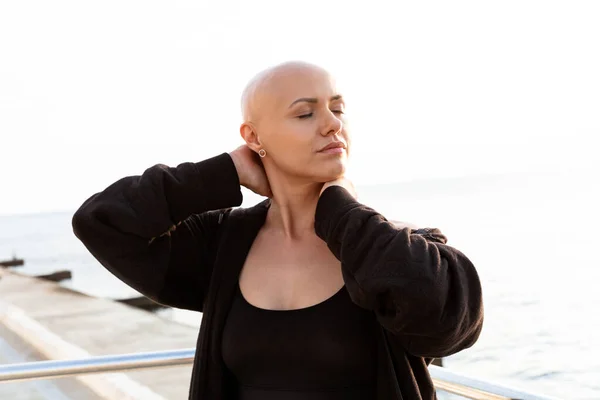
(332, 171)
(322, 170)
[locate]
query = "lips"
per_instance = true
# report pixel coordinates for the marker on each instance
(333, 145)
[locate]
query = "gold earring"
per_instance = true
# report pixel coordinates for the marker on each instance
(262, 153)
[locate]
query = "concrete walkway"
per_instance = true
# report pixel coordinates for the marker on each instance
(15, 351)
(49, 321)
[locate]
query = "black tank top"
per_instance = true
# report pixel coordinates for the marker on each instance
(322, 352)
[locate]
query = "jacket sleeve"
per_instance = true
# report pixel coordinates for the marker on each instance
(157, 232)
(424, 292)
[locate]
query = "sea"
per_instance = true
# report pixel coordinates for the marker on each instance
(534, 238)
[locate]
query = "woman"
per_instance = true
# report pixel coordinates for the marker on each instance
(307, 295)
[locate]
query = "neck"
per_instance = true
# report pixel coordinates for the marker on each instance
(293, 206)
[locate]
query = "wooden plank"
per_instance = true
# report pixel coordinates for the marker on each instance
(142, 302)
(15, 262)
(57, 276)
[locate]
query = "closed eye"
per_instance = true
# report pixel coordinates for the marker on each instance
(305, 116)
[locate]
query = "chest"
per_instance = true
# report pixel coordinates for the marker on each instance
(280, 275)
(327, 351)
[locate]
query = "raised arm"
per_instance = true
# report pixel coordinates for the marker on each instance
(156, 232)
(424, 292)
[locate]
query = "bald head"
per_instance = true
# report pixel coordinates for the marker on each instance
(291, 112)
(263, 87)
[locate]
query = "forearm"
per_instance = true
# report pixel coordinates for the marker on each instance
(152, 203)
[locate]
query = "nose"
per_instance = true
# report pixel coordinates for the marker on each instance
(332, 126)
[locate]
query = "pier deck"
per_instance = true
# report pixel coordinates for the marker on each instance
(58, 323)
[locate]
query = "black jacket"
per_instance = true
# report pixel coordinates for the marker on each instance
(171, 234)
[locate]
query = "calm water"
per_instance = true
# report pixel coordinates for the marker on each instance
(533, 238)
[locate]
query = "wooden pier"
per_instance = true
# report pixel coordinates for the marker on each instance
(58, 323)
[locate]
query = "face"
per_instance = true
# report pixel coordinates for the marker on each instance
(300, 113)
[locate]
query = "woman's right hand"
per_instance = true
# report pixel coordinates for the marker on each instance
(251, 171)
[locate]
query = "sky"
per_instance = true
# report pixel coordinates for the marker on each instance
(94, 91)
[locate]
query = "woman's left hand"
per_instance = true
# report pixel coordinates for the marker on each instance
(343, 182)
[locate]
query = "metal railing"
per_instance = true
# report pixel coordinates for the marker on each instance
(94, 365)
(444, 379)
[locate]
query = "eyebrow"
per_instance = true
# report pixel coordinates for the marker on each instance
(314, 100)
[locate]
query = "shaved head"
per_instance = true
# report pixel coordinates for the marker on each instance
(291, 112)
(262, 87)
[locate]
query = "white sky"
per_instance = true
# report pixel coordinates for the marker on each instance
(93, 91)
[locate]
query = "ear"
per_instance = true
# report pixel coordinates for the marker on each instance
(248, 133)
